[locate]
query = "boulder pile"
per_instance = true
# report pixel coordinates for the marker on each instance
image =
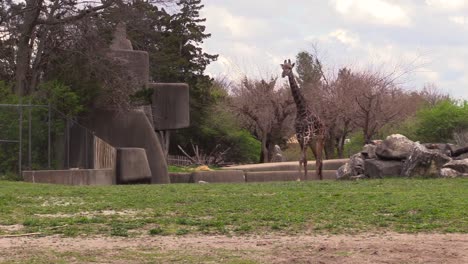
(399, 156)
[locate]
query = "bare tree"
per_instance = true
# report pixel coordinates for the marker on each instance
(265, 111)
(31, 23)
(432, 95)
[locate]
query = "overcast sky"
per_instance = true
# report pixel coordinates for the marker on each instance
(429, 37)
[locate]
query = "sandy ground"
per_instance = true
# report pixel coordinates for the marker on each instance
(364, 248)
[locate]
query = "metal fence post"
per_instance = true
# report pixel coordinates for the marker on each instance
(29, 136)
(49, 116)
(20, 132)
(68, 143)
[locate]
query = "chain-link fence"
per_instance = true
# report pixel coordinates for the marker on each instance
(38, 137)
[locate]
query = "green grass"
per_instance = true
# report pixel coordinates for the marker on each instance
(401, 205)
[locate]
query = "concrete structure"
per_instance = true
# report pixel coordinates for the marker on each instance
(180, 177)
(131, 130)
(268, 176)
(226, 176)
(132, 166)
(333, 164)
(170, 105)
(136, 128)
(72, 177)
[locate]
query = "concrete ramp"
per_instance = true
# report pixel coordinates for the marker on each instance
(333, 164)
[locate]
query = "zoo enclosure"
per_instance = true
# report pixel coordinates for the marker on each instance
(39, 137)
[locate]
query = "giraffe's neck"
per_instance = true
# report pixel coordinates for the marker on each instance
(297, 95)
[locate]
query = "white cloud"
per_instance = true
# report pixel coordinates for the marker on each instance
(447, 4)
(375, 11)
(344, 37)
(460, 20)
(238, 26)
(340, 36)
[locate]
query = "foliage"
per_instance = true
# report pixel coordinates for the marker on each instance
(309, 69)
(61, 96)
(398, 205)
(438, 124)
(356, 142)
(219, 127)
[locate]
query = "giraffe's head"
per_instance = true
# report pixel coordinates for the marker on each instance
(287, 68)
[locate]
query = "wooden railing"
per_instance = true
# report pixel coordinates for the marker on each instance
(104, 155)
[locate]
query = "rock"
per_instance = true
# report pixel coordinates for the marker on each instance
(458, 165)
(368, 151)
(424, 162)
(354, 167)
(344, 172)
(442, 148)
(394, 147)
(356, 162)
(380, 168)
(358, 177)
(277, 155)
(449, 173)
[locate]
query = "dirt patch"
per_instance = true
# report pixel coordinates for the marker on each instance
(93, 214)
(11, 228)
(367, 248)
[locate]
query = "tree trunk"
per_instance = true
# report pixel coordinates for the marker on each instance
(23, 54)
(329, 147)
(264, 152)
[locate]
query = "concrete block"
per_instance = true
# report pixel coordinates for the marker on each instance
(71, 177)
(180, 177)
(268, 176)
(333, 164)
(170, 103)
(218, 176)
(132, 166)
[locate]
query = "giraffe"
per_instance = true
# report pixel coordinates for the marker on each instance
(309, 127)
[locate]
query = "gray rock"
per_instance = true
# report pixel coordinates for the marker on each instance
(442, 148)
(277, 155)
(368, 151)
(424, 162)
(449, 173)
(458, 165)
(356, 162)
(380, 168)
(344, 172)
(394, 147)
(358, 177)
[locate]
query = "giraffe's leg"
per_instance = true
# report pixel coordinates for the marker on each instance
(305, 162)
(318, 157)
(302, 159)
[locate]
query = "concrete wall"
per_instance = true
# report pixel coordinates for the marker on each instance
(218, 176)
(267, 176)
(222, 176)
(289, 166)
(71, 177)
(180, 177)
(130, 129)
